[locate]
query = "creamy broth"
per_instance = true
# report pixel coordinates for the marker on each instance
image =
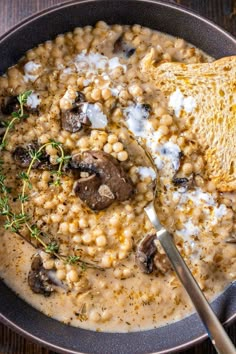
(102, 287)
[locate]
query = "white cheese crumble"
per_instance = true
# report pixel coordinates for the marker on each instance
(218, 213)
(115, 91)
(187, 202)
(66, 72)
(178, 102)
(145, 172)
(171, 152)
(97, 118)
(30, 70)
(93, 62)
(137, 122)
(33, 100)
(86, 82)
(203, 200)
(115, 63)
(137, 116)
(188, 230)
(197, 197)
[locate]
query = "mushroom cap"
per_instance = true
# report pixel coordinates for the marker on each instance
(145, 253)
(122, 47)
(107, 180)
(9, 104)
(23, 156)
(149, 259)
(38, 279)
(73, 120)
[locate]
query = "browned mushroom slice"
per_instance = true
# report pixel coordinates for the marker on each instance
(145, 254)
(9, 104)
(148, 258)
(23, 156)
(38, 279)
(122, 47)
(73, 120)
(79, 98)
(3, 128)
(107, 180)
(88, 189)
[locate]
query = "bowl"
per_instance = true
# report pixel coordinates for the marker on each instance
(45, 25)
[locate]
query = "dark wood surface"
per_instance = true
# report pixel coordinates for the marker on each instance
(222, 12)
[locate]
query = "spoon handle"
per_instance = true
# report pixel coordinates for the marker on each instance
(214, 328)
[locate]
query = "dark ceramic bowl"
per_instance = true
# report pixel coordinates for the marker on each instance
(46, 25)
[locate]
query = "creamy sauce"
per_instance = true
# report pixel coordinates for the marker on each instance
(114, 295)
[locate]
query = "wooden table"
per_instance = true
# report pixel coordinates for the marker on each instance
(11, 12)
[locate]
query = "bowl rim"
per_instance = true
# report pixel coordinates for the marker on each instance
(181, 347)
(67, 4)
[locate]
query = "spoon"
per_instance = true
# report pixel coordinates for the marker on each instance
(215, 330)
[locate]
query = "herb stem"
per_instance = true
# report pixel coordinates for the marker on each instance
(10, 125)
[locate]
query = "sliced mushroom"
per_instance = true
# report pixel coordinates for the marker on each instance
(122, 47)
(23, 156)
(2, 128)
(79, 98)
(73, 120)
(38, 278)
(148, 258)
(145, 253)
(107, 181)
(9, 104)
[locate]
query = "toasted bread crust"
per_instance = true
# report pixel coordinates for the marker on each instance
(213, 119)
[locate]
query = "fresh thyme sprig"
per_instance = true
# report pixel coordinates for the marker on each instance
(16, 117)
(83, 264)
(35, 233)
(60, 160)
(15, 222)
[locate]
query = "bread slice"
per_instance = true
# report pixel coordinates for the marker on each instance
(204, 96)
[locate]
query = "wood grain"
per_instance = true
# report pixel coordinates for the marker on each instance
(223, 12)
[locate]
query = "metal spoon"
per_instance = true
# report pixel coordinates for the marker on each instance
(214, 328)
